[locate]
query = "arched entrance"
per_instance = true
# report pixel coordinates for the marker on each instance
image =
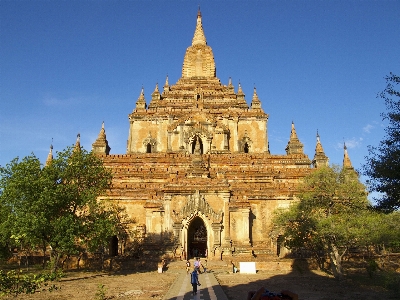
(148, 148)
(197, 238)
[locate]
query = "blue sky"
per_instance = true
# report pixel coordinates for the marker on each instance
(67, 66)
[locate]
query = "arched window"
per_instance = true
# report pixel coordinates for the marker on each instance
(196, 141)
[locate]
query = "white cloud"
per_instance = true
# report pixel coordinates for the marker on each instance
(351, 143)
(368, 128)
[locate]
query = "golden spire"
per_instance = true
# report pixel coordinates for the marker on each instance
(166, 85)
(346, 159)
(293, 133)
(50, 155)
(78, 143)
(156, 94)
(294, 145)
(320, 159)
(255, 102)
(318, 147)
(199, 59)
(141, 102)
(240, 91)
(101, 144)
(102, 134)
(156, 90)
(199, 37)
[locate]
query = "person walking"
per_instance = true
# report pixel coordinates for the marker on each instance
(194, 280)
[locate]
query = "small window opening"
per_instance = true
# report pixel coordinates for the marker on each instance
(246, 148)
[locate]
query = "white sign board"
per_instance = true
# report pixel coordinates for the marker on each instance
(247, 267)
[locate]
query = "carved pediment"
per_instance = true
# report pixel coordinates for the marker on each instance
(150, 140)
(197, 205)
(200, 120)
(245, 143)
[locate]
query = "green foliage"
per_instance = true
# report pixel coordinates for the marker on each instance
(392, 281)
(101, 292)
(372, 267)
(383, 161)
(14, 284)
(57, 205)
(330, 216)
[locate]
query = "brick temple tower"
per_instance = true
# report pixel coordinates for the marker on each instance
(198, 174)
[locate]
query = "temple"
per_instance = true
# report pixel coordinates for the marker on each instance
(197, 175)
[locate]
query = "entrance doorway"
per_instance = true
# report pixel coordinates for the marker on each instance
(113, 246)
(197, 238)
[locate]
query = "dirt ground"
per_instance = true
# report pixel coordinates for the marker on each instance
(309, 285)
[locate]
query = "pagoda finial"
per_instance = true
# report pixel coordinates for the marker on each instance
(199, 37)
(166, 85)
(346, 159)
(155, 96)
(78, 143)
(141, 101)
(50, 155)
(294, 145)
(255, 102)
(320, 159)
(101, 146)
(293, 133)
(240, 91)
(102, 133)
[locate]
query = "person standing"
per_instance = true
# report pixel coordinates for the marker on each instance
(187, 266)
(196, 264)
(205, 266)
(194, 280)
(200, 265)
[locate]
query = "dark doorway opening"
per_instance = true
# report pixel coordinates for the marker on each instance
(114, 246)
(197, 238)
(279, 243)
(246, 148)
(148, 148)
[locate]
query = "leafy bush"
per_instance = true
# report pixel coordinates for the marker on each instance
(392, 281)
(101, 292)
(17, 283)
(372, 267)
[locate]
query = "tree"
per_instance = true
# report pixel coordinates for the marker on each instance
(57, 205)
(329, 216)
(383, 161)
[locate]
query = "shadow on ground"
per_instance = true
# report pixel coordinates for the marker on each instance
(308, 284)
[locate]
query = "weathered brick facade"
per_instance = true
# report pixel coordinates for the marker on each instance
(198, 166)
